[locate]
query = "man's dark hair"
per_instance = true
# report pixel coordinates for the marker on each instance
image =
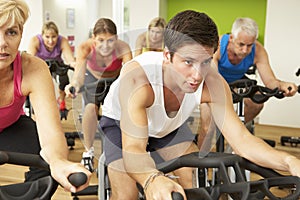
(188, 27)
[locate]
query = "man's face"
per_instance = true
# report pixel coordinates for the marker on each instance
(190, 66)
(242, 44)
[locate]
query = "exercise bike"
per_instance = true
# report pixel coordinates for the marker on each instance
(96, 90)
(59, 69)
(56, 68)
(248, 88)
(38, 189)
(241, 189)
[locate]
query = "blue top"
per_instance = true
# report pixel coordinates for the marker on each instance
(44, 54)
(229, 71)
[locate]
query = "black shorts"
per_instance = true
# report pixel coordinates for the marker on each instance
(63, 80)
(96, 94)
(112, 146)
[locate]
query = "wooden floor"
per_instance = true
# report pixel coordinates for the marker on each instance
(12, 174)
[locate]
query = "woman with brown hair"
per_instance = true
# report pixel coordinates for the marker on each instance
(101, 56)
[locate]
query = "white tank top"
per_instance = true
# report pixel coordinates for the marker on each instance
(159, 123)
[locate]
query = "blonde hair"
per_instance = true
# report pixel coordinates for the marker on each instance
(157, 22)
(50, 26)
(14, 12)
(244, 24)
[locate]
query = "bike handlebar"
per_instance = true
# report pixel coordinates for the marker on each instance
(29, 188)
(241, 188)
(103, 82)
(59, 67)
(298, 72)
(248, 88)
(177, 196)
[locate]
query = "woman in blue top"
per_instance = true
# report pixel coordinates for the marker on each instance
(51, 46)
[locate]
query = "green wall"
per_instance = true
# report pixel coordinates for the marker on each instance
(224, 12)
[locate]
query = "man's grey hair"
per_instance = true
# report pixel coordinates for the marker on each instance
(244, 24)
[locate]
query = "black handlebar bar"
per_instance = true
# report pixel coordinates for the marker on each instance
(298, 72)
(248, 88)
(59, 67)
(241, 189)
(27, 190)
(177, 196)
(91, 88)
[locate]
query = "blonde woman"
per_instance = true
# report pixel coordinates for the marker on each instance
(152, 39)
(50, 45)
(25, 75)
(101, 56)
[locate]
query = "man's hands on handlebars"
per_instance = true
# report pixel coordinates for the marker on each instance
(293, 165)
(288, 89)
(161, 186)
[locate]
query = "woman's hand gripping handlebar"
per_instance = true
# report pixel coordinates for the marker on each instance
(27, 190)
(91, 89)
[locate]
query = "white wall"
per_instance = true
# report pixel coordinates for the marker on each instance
(84, 18)
(282, 42)
(141, 13)
(86, 14)
(34, 23)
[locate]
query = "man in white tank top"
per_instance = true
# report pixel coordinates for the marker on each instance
(147, 106)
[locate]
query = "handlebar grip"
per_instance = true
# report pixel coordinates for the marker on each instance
(78, 179)
(298, 72)
(177, 196)
(3, 157)
(72, 90)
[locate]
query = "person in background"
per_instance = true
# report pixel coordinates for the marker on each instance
(101, 56)
(50, 45)
(238, 51)
(152, 39)
(25, 75)
(147, 106)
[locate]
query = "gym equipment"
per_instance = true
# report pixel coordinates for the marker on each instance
(245, 88)
(70, 137)
(38, 189)
(96, 90)
(239, 190)
(248, 88)
(294, 141)
(61, 69)
(56, 68)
